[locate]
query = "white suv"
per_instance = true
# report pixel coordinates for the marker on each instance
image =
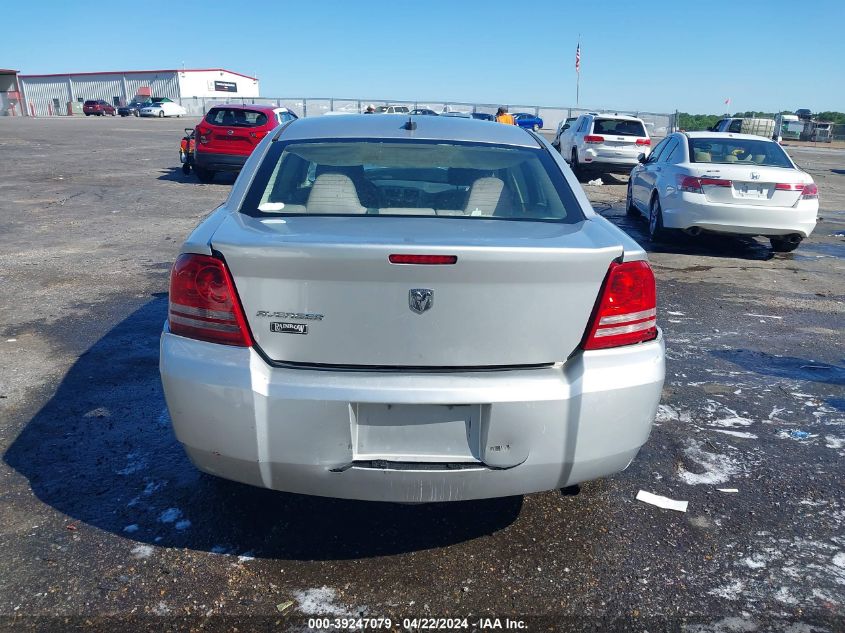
(611, 142)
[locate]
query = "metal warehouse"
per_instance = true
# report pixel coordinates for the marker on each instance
(56, 94)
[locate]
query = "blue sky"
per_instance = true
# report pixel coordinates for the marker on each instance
(651, 56)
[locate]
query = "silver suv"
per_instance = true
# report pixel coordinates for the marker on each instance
(611, 142)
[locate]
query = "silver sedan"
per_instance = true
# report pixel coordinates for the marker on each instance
(410, 311)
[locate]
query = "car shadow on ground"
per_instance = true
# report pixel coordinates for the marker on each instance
(710, 245)
(175, 174)
(788, 367)
(102, 452)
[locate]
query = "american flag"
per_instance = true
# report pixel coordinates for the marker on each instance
(578, 58)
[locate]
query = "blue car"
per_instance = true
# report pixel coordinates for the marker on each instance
(523, 119)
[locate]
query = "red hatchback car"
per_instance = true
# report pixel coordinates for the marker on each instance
(229, 133)
(98, 107)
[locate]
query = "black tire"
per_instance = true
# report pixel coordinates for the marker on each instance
(135, 113)
(656, 232)
(87, 114)
(783, 246)
(186, 168)
(630, 210)
(204, 175)
(536, 127)
(161, 114)
(574, 164)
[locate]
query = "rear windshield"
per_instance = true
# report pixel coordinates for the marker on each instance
(233, 117)
(411, 178)
(619, 127)
(737, 150)
(90, 103)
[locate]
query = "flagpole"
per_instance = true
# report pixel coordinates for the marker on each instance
(578, 75)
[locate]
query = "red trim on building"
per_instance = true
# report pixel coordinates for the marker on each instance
(139, 72)
(8, 71)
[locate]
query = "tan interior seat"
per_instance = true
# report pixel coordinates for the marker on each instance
(486, 196)
(334, 193)
(406, 211)
(731, 158)
(759, 158)
(703, 157)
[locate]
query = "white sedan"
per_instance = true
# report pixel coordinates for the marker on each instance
(163, 109)
(724, 183)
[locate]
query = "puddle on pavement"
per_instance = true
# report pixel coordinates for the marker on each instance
(814, 251)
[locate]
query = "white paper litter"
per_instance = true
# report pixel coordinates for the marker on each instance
(727, 489)
(596, 183)
(662, 502)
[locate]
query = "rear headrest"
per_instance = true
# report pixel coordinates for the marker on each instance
(334, 193)
(485, 196)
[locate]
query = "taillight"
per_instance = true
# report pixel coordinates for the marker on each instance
(592, 138)
(626, 311)
(423, 259)
(689, 184)
(203, 134)
(204, 304)
(810, 192)
(692, 184)
(789, 186)
(643, 141)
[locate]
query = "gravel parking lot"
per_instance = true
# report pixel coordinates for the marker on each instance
(104, 522)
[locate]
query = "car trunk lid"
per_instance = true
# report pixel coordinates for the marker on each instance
(322, 290)
(760, 186)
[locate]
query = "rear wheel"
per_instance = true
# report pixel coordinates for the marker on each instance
(783, 246)
(655, 221)
(161, 114)
(574, 164)
(630, 210)
(204, 175)
(186, 168)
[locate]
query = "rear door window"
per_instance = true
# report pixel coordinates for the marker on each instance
(655, 153)
(236, 117)
(666, 153)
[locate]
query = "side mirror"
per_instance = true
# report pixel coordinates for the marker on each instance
(642, 158)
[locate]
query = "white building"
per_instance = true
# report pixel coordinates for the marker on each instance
(49, 95)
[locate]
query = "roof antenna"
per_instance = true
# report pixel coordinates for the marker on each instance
(410, 124)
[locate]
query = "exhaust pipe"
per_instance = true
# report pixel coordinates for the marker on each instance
(795, 238)
(695, 231)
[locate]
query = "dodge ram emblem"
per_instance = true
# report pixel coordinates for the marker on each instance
(420, 299)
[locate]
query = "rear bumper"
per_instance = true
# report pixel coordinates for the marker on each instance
(598, 158)
(219, 162)
(687, 210)
(295, 430)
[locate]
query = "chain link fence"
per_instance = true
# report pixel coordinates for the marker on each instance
(658, 124)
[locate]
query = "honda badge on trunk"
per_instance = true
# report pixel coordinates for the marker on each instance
(420, 299)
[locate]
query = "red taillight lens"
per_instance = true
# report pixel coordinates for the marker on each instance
(592, 138)
(643, 141)
(423, 259)
(714, 182)
(810, 192)
(204, 304)
(789, 186)
(203, 134)
(689, 184)
(626, 312)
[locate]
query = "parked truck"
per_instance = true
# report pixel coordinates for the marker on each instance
(759, 127)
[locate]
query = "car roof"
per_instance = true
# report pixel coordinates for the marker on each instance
(613, 115)
(392, 126)
(248, 106)
(706, 134)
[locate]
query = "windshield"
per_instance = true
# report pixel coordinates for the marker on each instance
(738, 150)
(235, 117)
(423, 178)
(618, 127)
